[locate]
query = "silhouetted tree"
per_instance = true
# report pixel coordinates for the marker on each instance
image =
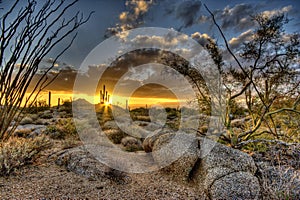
(28, 32)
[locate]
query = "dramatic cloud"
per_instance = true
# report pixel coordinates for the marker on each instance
(236, 42)
(132, 18)
(186, 11)
(167, 41)
(239, 17)
(271, 13)
(202, 39)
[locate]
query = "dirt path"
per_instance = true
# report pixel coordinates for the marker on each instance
(45, 180)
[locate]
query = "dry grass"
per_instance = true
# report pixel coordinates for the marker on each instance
(17, 152)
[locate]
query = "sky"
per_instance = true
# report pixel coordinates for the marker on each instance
(189, 17)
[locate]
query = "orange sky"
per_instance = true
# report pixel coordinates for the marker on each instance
(134, 101)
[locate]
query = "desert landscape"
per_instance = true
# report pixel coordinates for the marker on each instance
(166, 100)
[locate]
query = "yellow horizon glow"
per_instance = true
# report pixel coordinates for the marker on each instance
(95, 99)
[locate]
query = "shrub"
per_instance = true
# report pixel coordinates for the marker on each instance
(17, 152)
(46, 115)
(141, 118)
(62, 129)
(67, 126)
(115, 135)
(54, 133)
(22, 133)
(26, 120)
(131, 144)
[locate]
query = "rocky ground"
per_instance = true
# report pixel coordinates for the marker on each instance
(47, 180)
(68, 171)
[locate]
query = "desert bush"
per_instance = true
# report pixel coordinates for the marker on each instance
(46, 115)
(17, 152)
(54, 132)
(62, 129)
(69, 143)
(22, 133)
(66, 107)
(40, 122)
(141, 118)
(131, 144)
(67, 126)
(115, 135)
(26, 120)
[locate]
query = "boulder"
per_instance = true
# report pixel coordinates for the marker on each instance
(223, 163)
(237, 185)
(221, 156)
(179, 158)
(31, 130)
(207, 165)
(81, 162)
(151, 138)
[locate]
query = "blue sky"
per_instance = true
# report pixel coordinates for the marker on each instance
(186, 16)
(173, 14)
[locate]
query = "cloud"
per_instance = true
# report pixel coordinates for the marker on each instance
(139, 74)
(271, 13)
(186, 11)
(132, 18)
(202, 39)
(237, 17)
(236, 42)
(167, 41)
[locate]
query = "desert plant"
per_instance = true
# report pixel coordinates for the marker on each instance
(263, 75)
(68, 127)
(131, 144)
(115, 135)
(54, 132)
(26, 120)
(17, 152)
(28, 33)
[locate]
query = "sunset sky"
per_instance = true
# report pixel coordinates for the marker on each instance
(188, 17)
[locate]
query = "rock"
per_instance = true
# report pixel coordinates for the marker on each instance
(222, 165)
(237, 185)
(26, 120)
(181, 169)
(226, 173)
(81, 162)
(131, 144)
(279, 182)
(184, 148)
(226, 157)
(29, 130)
(239, 123)
(151, 138)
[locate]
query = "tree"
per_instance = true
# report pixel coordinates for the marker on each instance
(264, 76)
(28, 34)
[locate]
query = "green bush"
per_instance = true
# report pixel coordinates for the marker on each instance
(62, 129)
